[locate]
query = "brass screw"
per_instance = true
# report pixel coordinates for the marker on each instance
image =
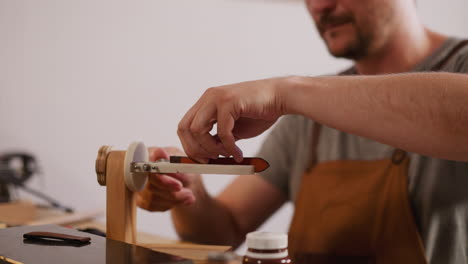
(101, 163)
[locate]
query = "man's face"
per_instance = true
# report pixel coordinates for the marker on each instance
(353, 28)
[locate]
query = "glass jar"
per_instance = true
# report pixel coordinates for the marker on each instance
(266, 248)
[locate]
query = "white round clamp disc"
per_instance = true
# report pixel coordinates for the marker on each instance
(136, 152)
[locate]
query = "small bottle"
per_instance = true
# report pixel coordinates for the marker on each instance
(266, 248)
(223, 258)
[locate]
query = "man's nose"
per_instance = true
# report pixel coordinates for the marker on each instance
(319, 6)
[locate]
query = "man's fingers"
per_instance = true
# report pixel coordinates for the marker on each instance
(155, 205)
(209, 143)
(155, 200)
(225, 126)
(157, 154)
(174, 180)
(194, 129)
(183, 131)
(174, 151)
(185, 179)
(192, 147)
(223, 150)
(172, 196)
(200, 129)
(165, 182)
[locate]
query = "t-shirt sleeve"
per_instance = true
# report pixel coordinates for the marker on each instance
(461, 64)
(278, 150)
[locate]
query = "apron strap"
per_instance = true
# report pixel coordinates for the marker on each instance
(314, 144)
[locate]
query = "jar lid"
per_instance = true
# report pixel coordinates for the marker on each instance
(267, 240)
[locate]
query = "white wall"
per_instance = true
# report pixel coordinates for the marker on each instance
(75, 75)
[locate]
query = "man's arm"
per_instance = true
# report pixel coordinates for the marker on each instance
(426, 113)
(246, 203)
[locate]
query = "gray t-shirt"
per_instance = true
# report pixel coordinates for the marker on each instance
(438, 188)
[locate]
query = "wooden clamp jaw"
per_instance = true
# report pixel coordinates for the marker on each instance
(126, 172)
(113, 171)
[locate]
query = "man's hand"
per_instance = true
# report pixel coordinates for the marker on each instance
(241, 111)
(165, 191)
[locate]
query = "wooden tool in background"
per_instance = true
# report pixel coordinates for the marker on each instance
(126, 172)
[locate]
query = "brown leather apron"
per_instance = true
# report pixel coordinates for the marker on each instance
(354, 211)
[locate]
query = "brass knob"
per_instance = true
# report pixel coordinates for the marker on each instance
(101, 164)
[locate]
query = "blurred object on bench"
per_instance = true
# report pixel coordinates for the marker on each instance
(17, 213)
(68, 219)
(26, 213)
(15, 170)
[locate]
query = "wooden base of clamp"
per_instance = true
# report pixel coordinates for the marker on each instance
(113, 172)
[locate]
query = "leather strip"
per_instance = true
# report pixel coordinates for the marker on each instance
(258, 163)
(57, 236)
